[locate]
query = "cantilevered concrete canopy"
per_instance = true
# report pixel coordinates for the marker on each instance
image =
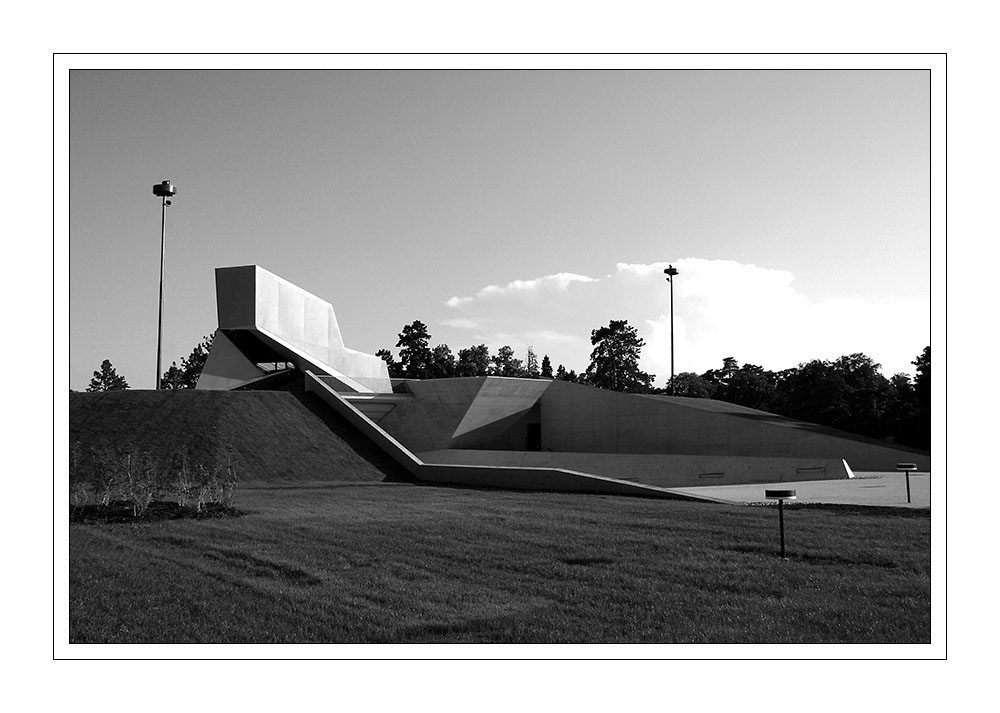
(264, 319)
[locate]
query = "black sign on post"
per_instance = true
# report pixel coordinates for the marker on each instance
(908, 467)
(781, 496)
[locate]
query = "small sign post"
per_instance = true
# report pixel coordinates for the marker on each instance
(781, 496)
(908, 468)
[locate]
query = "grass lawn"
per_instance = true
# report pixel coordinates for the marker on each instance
(397, 563)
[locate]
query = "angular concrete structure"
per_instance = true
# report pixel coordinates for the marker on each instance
(264, 319)
(489, 475)
(520, 433)
(665, 441)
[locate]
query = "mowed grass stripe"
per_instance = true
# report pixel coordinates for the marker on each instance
(401, 563)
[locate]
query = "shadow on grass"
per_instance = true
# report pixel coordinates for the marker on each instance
(499, 629)
(122, 512)
(252, 566)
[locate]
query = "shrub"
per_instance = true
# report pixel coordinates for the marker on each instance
(106, 474)
(183, 484)
(141, 479)
(79, 484)
(127, 475)
(207, 485)
(231, 477)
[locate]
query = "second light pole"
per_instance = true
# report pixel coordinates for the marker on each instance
(671, 272)
(163, 191)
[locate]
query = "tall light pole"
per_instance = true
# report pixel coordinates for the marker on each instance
(163, 190)
(671, 272)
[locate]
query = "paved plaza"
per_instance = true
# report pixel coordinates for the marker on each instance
(878, 489)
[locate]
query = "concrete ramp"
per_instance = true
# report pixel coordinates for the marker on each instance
(661, 471)
(492, 476)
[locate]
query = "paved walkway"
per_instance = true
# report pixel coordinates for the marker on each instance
(880, 489)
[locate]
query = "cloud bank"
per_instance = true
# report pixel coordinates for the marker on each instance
(549, 283)
(722, 308)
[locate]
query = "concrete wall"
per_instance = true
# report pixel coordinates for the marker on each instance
(471, 412)
(491, 413)
(538, 479)
(577, 418)
(429, 420)
(499, 415)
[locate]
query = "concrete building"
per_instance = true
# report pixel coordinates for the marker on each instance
(525, 433)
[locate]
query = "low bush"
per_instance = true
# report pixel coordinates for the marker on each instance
(105, 478)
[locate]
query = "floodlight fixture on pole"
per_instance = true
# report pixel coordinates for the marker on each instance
(781, 496)
(163, 190)
(671, 272)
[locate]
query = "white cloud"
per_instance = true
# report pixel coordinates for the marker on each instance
(721, 308)
(559, 281)
(462, 323)
(639, 270)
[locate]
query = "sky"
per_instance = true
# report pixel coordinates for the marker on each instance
(522, 208)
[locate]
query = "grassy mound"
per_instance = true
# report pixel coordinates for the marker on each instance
(280, 436)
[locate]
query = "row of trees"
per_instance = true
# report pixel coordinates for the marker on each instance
(614, 363)
(184, 376)
(418, 360)
(848, 393)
